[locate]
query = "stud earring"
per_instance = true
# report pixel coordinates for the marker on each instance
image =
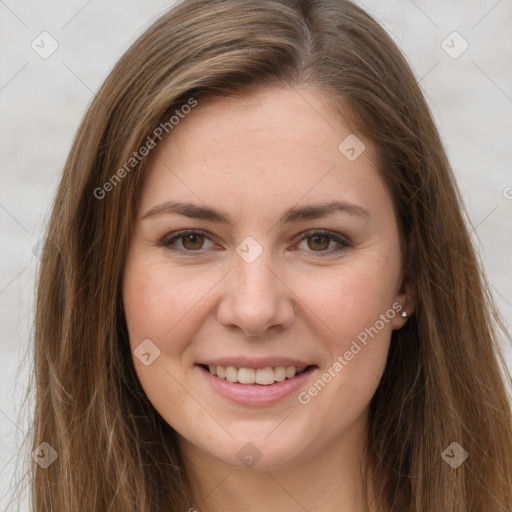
(403, 314)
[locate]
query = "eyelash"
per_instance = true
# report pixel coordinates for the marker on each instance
(169, 242)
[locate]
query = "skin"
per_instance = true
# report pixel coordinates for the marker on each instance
(253, 158)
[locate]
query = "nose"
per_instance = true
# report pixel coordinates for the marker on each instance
(256, 298)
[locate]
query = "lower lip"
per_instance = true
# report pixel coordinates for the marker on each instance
(256, 394)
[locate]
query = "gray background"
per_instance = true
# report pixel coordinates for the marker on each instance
(43, 100)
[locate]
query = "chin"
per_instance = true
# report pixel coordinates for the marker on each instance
(257, 451)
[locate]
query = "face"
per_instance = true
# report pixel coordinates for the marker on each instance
(259, 316)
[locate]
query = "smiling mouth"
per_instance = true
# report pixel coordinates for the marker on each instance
(260, 376)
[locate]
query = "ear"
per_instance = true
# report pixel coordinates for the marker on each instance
(405, 300)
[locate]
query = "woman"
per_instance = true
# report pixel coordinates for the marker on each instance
(259, 290)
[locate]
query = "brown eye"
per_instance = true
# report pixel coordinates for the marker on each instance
(188, 241)
(320, 242)
(193, 241)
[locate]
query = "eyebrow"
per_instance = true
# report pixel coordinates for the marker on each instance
(292, 215)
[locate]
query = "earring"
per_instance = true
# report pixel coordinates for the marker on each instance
(403, 314)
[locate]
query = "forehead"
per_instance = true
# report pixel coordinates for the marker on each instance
(274, 148)
(259, 123)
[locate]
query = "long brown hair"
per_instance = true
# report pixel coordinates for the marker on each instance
(443, 381)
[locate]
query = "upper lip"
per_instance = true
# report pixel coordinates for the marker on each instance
(247, 362)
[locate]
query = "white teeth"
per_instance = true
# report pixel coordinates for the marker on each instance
(265, 376)
(280, 373)
(231, 374)
(262, 376)
(247, 375)
(290, 372)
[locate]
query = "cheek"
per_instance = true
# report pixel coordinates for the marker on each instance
(159, 303)
(352, 297)
(355, 306)
(157, 307)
